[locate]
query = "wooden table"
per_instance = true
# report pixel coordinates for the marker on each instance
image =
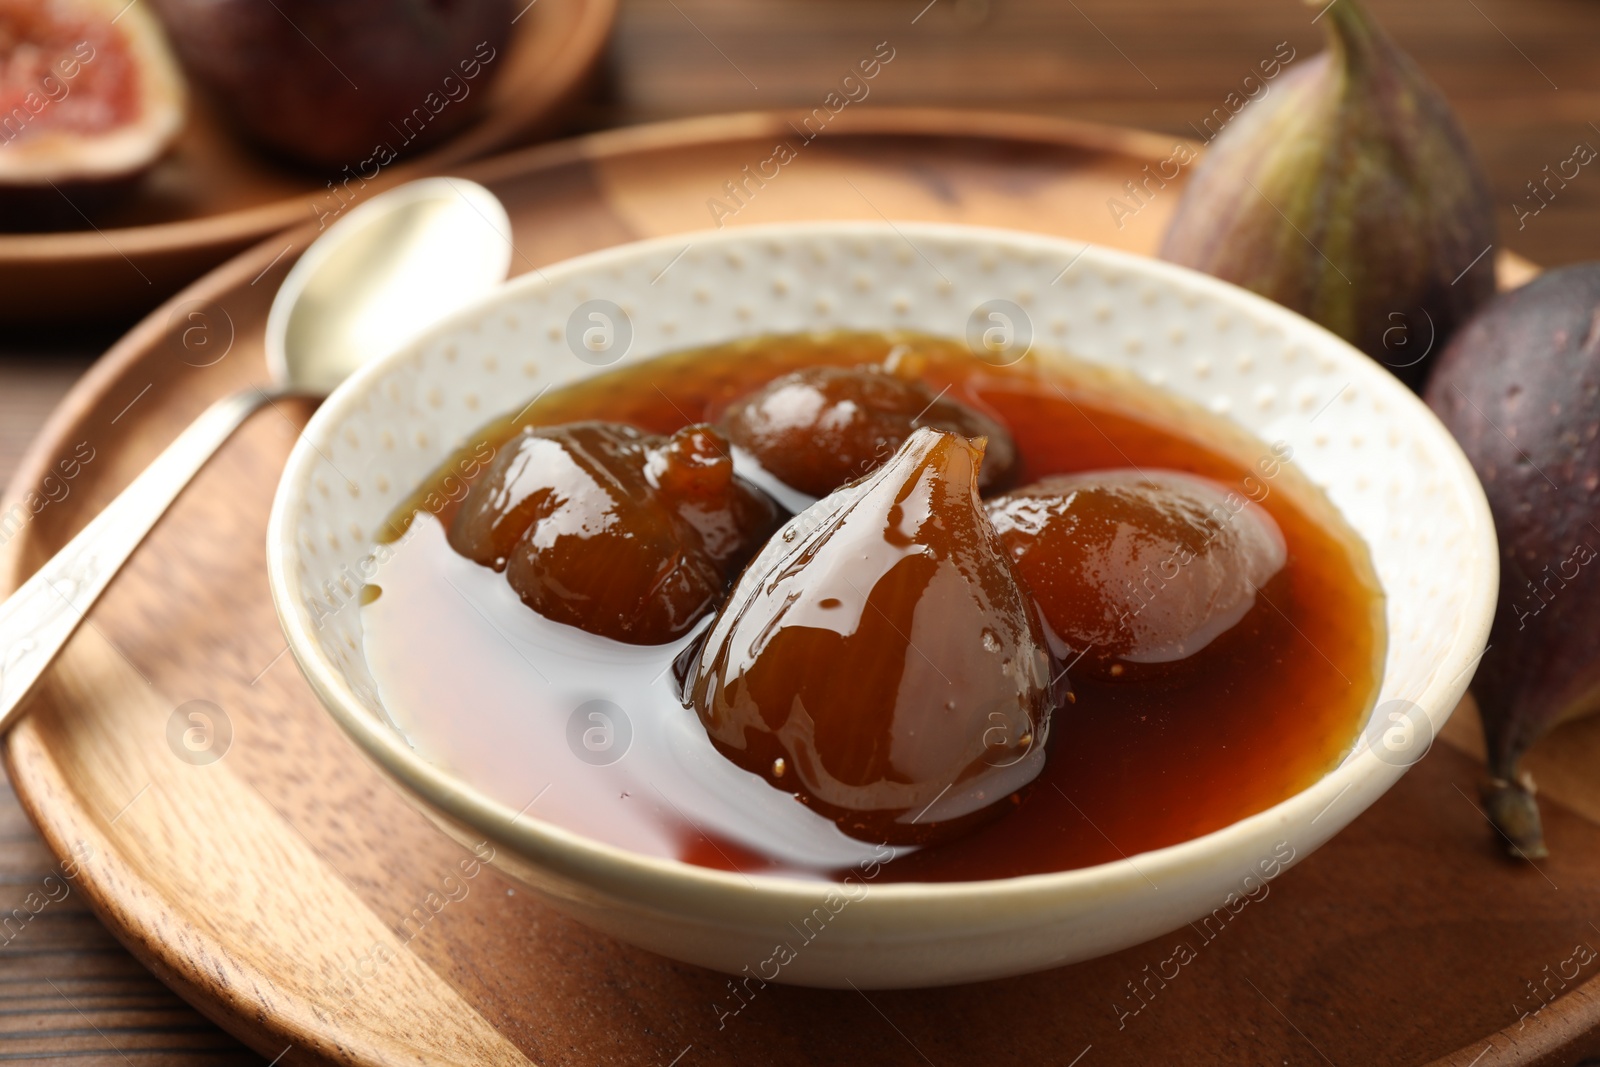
(1521, 75)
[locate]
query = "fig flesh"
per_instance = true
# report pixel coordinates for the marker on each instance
(356, 83)
(879, 659)
(90, 99)
(1519, 387)
(624, 534)
(818, 428)
(1350, 195)
(1136, 567)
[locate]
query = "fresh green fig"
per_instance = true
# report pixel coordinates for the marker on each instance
(356, 83)
(1348, 193)
(1519, 387)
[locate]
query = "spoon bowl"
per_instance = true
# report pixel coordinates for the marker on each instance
(383, 273)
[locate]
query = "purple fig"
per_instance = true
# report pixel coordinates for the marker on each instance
(355, 83)
(1348, 193)
(1520, 389)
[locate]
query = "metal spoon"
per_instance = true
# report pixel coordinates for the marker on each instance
(396, 264)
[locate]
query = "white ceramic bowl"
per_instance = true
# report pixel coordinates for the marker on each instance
(1383, 459)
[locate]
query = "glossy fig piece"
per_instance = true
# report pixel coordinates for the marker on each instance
(1519, 388)
(353, 84)
(1136, 567)
(1348, 193)
(879, 659)
(90, 98)
(624, 534)
(818, 428)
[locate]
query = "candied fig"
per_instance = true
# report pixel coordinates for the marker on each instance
(621, 533)
(878, 658)
(1136, 567)
(818, 428)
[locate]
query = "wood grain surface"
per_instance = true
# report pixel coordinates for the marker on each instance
(68, 989)
(1490, 56)
(285, 889)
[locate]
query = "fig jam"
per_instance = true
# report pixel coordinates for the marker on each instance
(593, 735)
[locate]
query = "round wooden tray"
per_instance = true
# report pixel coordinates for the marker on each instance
(215, 195)
(298, 900)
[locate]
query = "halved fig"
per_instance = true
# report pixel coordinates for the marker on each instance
(879, 659)
(90, 98)
(618, 532)
(1137, 567)
(818, 428)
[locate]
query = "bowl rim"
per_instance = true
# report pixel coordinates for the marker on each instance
(674, 885)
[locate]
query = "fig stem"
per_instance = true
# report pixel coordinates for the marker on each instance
(1357, 44)
(1515, 813)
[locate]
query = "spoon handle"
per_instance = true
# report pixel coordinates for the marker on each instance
(37, 619)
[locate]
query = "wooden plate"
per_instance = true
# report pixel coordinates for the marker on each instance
(214, 195)
(295, 898)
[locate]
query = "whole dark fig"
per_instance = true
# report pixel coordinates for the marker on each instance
(356, 83)
(1520, 389)
(615, 531)
(1348, 193)
(878, 658)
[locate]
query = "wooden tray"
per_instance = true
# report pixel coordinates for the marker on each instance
(296, 899)
(214, 195)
